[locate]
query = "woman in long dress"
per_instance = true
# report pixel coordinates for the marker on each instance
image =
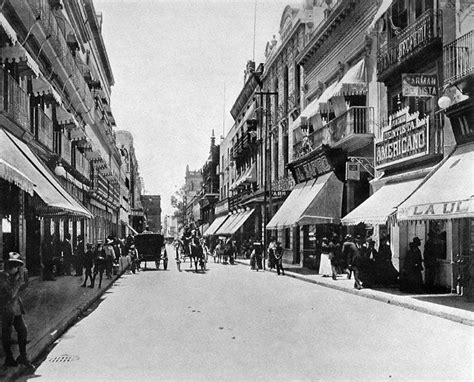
(325, 268)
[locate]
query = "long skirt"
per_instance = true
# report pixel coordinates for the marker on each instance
(325, 265)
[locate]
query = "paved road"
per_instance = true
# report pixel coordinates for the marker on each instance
(235, 324)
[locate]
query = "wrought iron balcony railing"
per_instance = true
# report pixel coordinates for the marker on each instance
(458, 57)
(356, 123)
(410, 41)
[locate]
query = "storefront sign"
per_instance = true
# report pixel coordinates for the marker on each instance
(352, 171)
(406, 138)
(312, 169)
(283, 184)
(419, 85)
(445, 209)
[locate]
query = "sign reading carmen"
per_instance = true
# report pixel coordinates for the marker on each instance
(419, 85)
(406, 138)
(312, 168)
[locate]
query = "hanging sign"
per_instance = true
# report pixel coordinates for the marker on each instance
(419, 85)
(352, 171)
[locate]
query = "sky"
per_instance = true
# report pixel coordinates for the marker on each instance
(178, 69)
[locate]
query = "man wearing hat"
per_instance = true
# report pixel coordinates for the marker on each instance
(279, 259)
(410, 277)
(12, 281)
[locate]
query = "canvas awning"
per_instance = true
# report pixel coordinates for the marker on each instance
(248, 176)
(64, 117)
(238, 222)
(7, 28)
(353, 82)
(316, 105)
(448, 193)
(19, 156)
(215, 225)
(224, 228)
(383, 203)
(382, 9)
(312, 202)
(18, 54)
(42, 87)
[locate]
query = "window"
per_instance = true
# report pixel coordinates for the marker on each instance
(400, 13)
(285, 91)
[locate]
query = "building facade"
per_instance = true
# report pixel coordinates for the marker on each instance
(60, 169)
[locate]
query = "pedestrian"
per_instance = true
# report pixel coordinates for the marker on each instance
(133, 254)
(68, 259)
(411, 280)
(79, 255)
(13, 279)
(109, 257)
(349, 250)
(124, 263)
(325, 268)
(385, 273)
(334, 254)
(256, 256)
(271, 253)
(352, 256)
(219, 251)
(89, 258)
(279, 259)
(99, 264)
(49, 258)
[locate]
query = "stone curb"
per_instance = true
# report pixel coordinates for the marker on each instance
(385, 298)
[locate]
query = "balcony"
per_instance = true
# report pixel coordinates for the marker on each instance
(420, 40)
(458, 57)
(350, 131)
(15, 103)
(60, 46)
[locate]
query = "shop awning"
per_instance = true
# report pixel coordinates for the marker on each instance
(18, 54)
(383, 203)
(313, 202)
(446, 194)
(353, 82)
(382, 9)
(42, 87)
(11, 174)
(224, 228)
(215, 225)
(238, 222)
(64, 117)
(248, 176)
(316, 105)
(19, 156)
(9, 31)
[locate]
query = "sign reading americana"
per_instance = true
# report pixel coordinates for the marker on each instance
(419, 85)
(406, 138)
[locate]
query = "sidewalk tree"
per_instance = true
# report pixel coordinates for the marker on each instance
(177, 202)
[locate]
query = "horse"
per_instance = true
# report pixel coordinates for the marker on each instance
(197, 255)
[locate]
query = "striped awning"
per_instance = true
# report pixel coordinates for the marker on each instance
(18, 54)
(42, 87)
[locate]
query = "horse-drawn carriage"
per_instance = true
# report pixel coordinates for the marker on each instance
(150, 247)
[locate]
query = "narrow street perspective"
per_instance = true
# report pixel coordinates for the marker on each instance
(236, 190)
(231, 324)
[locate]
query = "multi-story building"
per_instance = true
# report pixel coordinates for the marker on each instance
(170, 226)
(152, 210)
(210, 187)
(192, 188)
(131, 209)
(60, 167)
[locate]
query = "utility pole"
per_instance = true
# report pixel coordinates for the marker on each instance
(267, 176)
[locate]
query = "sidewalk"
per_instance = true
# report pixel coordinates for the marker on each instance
(51, 308)
(449, 306)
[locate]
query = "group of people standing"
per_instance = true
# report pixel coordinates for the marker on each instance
(61, 258)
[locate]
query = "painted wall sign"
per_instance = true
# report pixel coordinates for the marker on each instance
(405, 138)
(312, 169)
(442, 210)
(419, 85)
